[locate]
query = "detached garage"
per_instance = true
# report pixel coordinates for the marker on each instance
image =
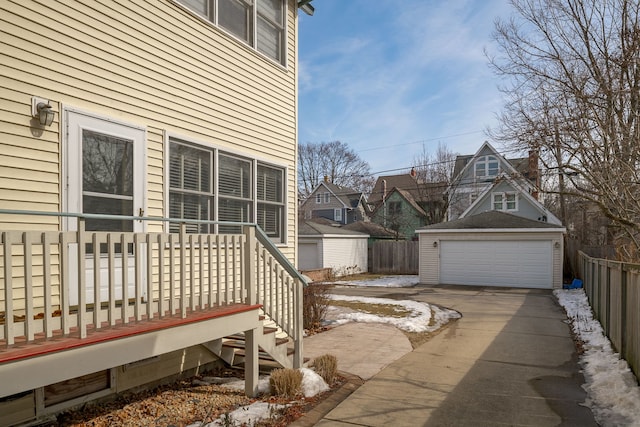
(492, 249)
(326, 246)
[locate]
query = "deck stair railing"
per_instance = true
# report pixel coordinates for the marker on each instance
(56, 283)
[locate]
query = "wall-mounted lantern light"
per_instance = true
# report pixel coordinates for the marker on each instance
(42, 110)
(435, 244)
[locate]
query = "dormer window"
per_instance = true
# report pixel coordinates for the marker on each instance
(487, 167)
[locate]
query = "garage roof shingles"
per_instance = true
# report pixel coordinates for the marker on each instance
(489, 220)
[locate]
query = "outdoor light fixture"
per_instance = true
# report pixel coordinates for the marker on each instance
(306, 7)
(41, 109)
(435, 244)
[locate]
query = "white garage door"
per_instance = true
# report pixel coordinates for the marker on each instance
(526, 264)
(308, 256)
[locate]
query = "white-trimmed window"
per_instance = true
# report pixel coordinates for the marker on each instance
(337, 214)
(209, 184)
(487, 167)
(327, 198)
(270, 200)
(504, 201)
(258, 23)
(318, 198)
(395, 209)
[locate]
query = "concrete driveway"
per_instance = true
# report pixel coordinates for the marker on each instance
(510, 360)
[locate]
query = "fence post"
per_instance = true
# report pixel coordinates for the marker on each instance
(249, 276)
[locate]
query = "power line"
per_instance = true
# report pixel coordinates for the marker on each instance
(424, 140)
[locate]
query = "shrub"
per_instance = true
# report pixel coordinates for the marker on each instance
(326, 366)
(315, 304)
(285, 382)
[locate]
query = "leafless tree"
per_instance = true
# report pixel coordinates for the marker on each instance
(573, 93)
(334, 160)
(434, 175)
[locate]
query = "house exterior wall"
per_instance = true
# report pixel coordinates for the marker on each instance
(324, 209)
(405, 223)
(147, 63)
(153, 65)
(468, 187)
(524, 207)
(150, 64)
(429, 244)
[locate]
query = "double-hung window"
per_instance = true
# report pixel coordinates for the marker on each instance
(270, 200)
(191, 185)
(504, 201)
(212, 185)
(258, 23)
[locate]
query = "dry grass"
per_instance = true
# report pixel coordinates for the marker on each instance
(386, 310)
(286, 382)
(327, 367)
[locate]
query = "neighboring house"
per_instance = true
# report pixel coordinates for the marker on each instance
(506, 194)
(130, 132)
(328, 246)
(402, 203)
(476, 176)
(493, 248)
(342, 205)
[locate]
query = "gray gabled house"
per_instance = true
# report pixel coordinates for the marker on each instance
(342, 205)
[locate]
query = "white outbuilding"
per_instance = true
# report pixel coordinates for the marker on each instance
(328, 246)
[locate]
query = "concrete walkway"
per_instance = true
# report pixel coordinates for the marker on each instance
(510, 360)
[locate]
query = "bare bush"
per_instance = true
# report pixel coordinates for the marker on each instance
(285, 382)
(326, 366)
(315, 304)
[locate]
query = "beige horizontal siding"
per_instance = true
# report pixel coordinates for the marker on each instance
(149, 63)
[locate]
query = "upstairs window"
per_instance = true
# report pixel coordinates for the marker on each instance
(504, 201)
(395, 208)
(258, 23)
(318, 198)
(487, 167)
(327, 198)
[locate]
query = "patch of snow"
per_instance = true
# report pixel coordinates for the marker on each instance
(312, 383)
(385, 281)
(417, 321)
(612, 390)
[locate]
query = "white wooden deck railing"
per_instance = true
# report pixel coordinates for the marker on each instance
(54, 283)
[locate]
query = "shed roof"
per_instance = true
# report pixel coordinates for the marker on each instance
(370, 228)
(310, 228)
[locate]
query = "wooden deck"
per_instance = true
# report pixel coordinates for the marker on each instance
(25, 365)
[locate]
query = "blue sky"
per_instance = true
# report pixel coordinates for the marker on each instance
(389, 76)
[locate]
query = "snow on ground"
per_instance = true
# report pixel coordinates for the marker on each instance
(385, 281)
(613, 394)
(418, 321)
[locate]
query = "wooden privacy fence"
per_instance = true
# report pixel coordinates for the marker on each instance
(613, 290)
(394, 257)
